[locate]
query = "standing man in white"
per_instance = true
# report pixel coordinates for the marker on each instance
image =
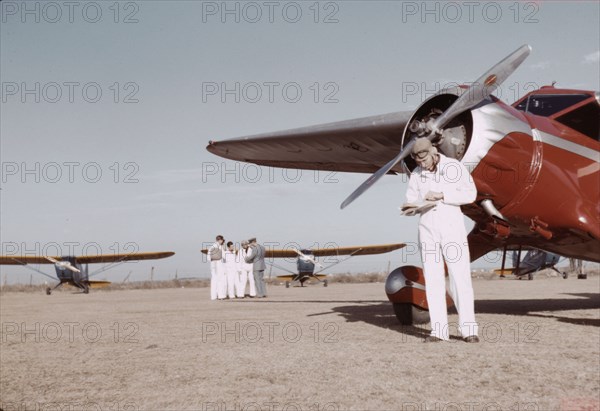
(245, 271)
(215, 257)
(231, 270)
(443, 237)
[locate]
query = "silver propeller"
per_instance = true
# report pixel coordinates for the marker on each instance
(63, 264)
(476, 93)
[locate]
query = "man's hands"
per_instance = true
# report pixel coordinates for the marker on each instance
(434, 196)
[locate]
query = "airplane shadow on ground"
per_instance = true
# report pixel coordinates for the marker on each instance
(382, 314)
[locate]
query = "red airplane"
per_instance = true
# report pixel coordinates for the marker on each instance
(535, 165)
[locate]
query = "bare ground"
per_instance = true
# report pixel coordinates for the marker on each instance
(315, 348)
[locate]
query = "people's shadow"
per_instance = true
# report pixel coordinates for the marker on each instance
(381, 314)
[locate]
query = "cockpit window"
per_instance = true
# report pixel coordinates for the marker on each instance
(548, 104)
(585, 119)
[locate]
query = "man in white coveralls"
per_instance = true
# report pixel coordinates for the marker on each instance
(443, 237)
(245, 271)
(215, 256)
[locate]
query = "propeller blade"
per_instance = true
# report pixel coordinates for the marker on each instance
(481, 89)
(378, 174)
(483, 86)
(70, 267)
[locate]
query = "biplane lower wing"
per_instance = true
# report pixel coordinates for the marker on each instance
(98, 284)
(360, 145)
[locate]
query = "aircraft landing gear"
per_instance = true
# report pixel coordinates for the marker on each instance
(287, 284)
(325, 283)
(408, 314)
(582, 276)
(565, 275)
(48, 291)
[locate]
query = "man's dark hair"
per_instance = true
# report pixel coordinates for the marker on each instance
(229, 243)
(220, 237)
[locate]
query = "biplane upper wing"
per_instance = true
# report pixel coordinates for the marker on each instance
(324, 252)
(271, 253)
(360, 145)
(25, 259)
(90, 259)
(358, 250)
(114, 258)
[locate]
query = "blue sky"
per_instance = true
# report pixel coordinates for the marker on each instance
(107, 109)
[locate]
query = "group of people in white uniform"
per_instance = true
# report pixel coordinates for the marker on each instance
(233, 271)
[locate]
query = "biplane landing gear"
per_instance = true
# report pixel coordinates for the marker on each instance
(48, 291)
(408, 314)
(325, 283)
(287, 284)
(565, 275)
(86, 289)
(530, 276)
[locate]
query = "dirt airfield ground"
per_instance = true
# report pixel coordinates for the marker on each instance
(314, 348)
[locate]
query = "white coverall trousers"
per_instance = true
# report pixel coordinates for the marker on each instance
(442, 239)
(245, 277)
(232, 279)
(216, 279)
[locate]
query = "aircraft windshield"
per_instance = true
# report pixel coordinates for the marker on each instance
(548, 104)
(584, 119)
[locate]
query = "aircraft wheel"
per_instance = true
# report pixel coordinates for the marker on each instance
(565, 275)
(48, 291)
(287, 284)
(408, 314)
(530, 276)
(325, 283)
(86, 290)
(581, 276)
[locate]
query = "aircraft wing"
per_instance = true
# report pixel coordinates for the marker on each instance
(90, 259)
(360, 145)
(358, 250)
(25, 259)
(114, 258)
(324, 252)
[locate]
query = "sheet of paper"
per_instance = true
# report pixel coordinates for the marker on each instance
(411, 209)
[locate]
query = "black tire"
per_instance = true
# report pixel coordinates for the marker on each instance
(325, 283)
(48, 291)
(287, 284)
(408, 314)
(530, 276)
(582, 276)
(565, 275)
